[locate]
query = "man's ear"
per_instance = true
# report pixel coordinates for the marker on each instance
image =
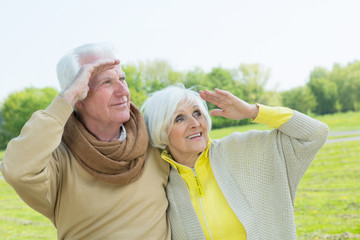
(79, 105)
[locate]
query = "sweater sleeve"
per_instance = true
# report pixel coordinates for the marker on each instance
(278, 156)
(30, 163)
(300, 139)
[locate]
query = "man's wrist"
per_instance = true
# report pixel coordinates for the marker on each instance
(69, 97)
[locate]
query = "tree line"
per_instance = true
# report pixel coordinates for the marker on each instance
(327, 91)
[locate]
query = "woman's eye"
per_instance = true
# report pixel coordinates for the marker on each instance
(179, 119)
(197, 114)
(122, 79)
(107, 82)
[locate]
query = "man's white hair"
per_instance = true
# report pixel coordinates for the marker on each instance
(70, 64)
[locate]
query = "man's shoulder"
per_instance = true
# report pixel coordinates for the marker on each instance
(154, 161)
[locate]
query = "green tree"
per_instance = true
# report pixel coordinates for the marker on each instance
(158, 74)
(18, 108)
(223, 79)
(271, 98)
(219, 78)
(254, 78)
(194, 78)
(324, 90)
(137, 89)
(347, 80)
(300, 99)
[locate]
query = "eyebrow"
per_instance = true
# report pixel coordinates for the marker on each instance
(181, 109)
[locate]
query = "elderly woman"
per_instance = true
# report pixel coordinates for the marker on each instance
(242, 186)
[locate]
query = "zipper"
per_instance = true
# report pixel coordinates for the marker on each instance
(198, 185)
(201, 193)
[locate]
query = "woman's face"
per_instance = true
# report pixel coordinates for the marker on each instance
(188, 136)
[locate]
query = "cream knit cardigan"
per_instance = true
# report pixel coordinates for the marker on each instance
(258, 173)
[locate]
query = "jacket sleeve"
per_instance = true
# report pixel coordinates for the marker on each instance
(277, 157)
(299, 139)
(30, 164)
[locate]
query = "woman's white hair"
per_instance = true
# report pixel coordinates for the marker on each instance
(159, 112)
(70, 64)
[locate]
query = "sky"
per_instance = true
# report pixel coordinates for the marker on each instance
(289, 37)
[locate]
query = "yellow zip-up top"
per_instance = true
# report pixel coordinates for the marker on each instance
(217, 219)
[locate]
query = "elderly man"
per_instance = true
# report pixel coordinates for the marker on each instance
(89, 171)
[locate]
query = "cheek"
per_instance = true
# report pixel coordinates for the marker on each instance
(174, 135)
(203, 124)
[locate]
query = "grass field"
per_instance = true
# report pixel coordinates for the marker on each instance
(328, 199)
(327, 203)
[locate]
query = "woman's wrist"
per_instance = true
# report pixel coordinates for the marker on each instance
(254, 110)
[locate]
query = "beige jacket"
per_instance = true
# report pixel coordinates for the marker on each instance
(47, 177)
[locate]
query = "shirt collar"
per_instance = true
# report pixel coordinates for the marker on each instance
(122, 133)
(203, 157)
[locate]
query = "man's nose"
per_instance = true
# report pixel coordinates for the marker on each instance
(121, 87)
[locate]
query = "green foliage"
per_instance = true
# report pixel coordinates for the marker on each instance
(19, 107)
(336, 90)
(224, 78)
(325, 93)
(137, 97)
(254, 78)
(300, 99)
(271, 98)
(195, 77)
(136, 86)
(158, 74)
(347, 80)
(219, 77)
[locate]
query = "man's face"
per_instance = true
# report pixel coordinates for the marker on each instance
(108, 99)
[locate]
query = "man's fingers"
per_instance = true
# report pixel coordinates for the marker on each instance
(100, 64)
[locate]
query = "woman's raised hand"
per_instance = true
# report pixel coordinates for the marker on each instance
(229, 105)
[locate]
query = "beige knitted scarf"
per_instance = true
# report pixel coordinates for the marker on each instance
(117, 162)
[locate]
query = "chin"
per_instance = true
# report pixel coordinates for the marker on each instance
(123, 118)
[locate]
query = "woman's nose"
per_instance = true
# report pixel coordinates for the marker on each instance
(194, 122)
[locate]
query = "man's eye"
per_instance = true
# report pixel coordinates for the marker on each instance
(107, 82)
(122, 79)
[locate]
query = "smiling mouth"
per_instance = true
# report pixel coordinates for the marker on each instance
(124, 102)
(118, 104)
(194, 135)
